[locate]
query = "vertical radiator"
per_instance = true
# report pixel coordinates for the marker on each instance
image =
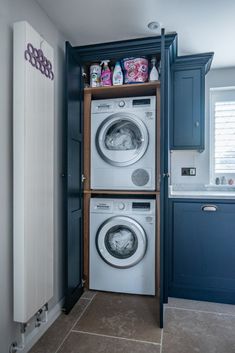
(33, 125)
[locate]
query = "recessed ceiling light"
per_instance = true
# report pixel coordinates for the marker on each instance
(154, 26)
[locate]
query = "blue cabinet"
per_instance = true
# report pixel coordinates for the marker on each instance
(73, 186)
(188, 101)
(202, 251)
(188, 105)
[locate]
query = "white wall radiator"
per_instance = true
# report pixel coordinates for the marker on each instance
(33, 125)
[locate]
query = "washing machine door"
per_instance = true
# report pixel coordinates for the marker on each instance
(122, 139)
(121, 242)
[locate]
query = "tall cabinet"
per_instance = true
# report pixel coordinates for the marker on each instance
(77, 189)
(180, 125)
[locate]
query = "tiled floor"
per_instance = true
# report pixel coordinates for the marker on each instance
(118, 323)
(122, 315)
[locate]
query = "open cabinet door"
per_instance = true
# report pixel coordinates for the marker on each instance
(73, 188)
(162, 173)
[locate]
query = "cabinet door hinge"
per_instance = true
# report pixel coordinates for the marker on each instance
(83, 178)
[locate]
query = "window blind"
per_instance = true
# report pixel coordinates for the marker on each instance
(224, 138)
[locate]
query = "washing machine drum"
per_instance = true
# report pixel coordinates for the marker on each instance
(121, 242)
(122, 139)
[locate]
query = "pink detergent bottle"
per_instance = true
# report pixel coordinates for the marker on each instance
(106, 74)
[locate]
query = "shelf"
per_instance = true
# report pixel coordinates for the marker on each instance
(139, 89)
(121, 192)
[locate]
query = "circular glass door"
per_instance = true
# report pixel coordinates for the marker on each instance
(122, 139)
(121, 242)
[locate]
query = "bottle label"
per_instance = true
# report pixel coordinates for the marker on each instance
(106, 78)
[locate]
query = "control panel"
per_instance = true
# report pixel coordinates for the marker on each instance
(117, 104)
(123, 206)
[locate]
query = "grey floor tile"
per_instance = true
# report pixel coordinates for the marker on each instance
(190, 331)
(203, 306)
(54, 336)
(88, 343)
(88, 294)
(121, 315)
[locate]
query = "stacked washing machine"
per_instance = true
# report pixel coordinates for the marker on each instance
(122, 230)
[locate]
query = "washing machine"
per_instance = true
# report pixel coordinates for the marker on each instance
(123, 143)
(122, 245)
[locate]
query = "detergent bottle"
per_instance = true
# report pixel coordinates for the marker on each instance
(106, 74)
(154, 76)
(117, 74)
(95, 75)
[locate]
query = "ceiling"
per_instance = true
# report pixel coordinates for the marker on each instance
(202, 25)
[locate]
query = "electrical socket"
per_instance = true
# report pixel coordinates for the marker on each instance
(188, 171)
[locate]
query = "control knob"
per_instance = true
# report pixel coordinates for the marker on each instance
(121, 206)
(122, 104)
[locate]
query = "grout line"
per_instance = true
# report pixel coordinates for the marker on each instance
(66, 336)
(120, 338)
(82, 313)
(89, 298)
(200, 311)
(85, 298)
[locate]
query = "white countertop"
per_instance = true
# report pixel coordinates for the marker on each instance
(181, 192)
(202, 194)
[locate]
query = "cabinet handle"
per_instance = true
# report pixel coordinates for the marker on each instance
(197, 124)
(166, 175)
(209, 208)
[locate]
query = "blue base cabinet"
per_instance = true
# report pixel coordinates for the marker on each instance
(188, 101)
(202, 251)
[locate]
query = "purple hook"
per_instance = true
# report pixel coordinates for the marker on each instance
(30, 48)
(33, 61)
(38, 65)
(35, 53)
(27, 55)
(47, 72)
(49, 64)
(40, 55)
(52, 76)
(42, 69)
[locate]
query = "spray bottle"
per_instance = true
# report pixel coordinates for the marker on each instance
(106, 74)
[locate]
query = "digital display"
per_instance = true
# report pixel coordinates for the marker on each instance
(137, 102)
(141, 205)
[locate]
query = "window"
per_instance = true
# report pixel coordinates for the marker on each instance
(222, 133)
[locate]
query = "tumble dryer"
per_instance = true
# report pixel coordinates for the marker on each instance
(122, 245)
(123, 143)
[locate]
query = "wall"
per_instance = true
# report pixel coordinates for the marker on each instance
(215, 78)
(11, 11)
